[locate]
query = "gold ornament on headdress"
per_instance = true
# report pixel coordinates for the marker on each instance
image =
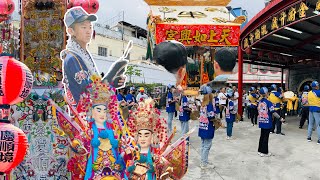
(99, 93)
(147, 117)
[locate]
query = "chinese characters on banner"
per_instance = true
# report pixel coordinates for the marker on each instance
(284, 18)
(199, 35)
(43, 38)
(6, 146)
(48, 150)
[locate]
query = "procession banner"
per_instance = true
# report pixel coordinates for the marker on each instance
(199, 35)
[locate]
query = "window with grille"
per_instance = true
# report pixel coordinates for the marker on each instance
(102, 51)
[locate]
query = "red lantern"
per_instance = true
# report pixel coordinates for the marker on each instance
(270, 55)
(248, 51)
(6, 7)
(16, 81)
(260, 54)
(1, 48)
(90, 6)
(16, 144)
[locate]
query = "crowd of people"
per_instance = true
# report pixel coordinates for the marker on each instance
(265, 107)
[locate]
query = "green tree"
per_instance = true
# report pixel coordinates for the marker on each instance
(132, 70)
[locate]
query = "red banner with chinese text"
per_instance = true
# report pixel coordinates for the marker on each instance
(199, 35)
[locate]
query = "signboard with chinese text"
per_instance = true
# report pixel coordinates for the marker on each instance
(48, 150)
(42, 39)
(199, 35)
(290, 15)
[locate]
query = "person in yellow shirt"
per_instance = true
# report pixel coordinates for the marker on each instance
(276, 99)
(314, 109)
(254, 99)
(305, 106)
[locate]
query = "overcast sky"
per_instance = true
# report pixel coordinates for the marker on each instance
(136, 11)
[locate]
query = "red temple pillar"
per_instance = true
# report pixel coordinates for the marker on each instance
(240, 79)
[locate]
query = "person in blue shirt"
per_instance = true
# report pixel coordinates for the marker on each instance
(231, 112)
(275, 98)
(121, 96)
(170, 107)
(314, 109)
(253, 99)
(216, 103)
(131, 100)
(78, 64)
(184, 115)
(305, 106)
(265, 112)
(206, 127)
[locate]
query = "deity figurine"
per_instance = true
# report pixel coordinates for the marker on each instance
(105, 161)
(96, 136)
(149, 132)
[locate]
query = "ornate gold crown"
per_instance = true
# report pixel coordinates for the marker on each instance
(147, 117)
(98, 93)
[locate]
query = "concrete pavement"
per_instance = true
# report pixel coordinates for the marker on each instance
(293, 158)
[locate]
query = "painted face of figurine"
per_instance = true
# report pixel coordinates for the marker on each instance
(99, 114)
(144, 139)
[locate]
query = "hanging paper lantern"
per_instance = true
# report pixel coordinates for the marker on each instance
(270, 55)
(14, 145)
(248, 51)
(260, 54)
(90, 6)
(16, 81)
(1, 48)
(6, 7)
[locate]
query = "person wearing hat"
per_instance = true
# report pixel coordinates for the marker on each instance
(184, 114)
(170, 106)
(314, 109)
(121, 95)
(131, 100)
(141, 96)
(222, 100)
(253, 99)
(305, 106)
(78, 64)
(231, 111)
(157, 98)
(276, 99)
(216, 102)
(172, 55)
(266, 112)
(206, 126)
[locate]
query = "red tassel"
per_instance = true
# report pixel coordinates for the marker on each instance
(94, 34)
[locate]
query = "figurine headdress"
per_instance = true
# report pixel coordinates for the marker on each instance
(98, 93)
(147, 117)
